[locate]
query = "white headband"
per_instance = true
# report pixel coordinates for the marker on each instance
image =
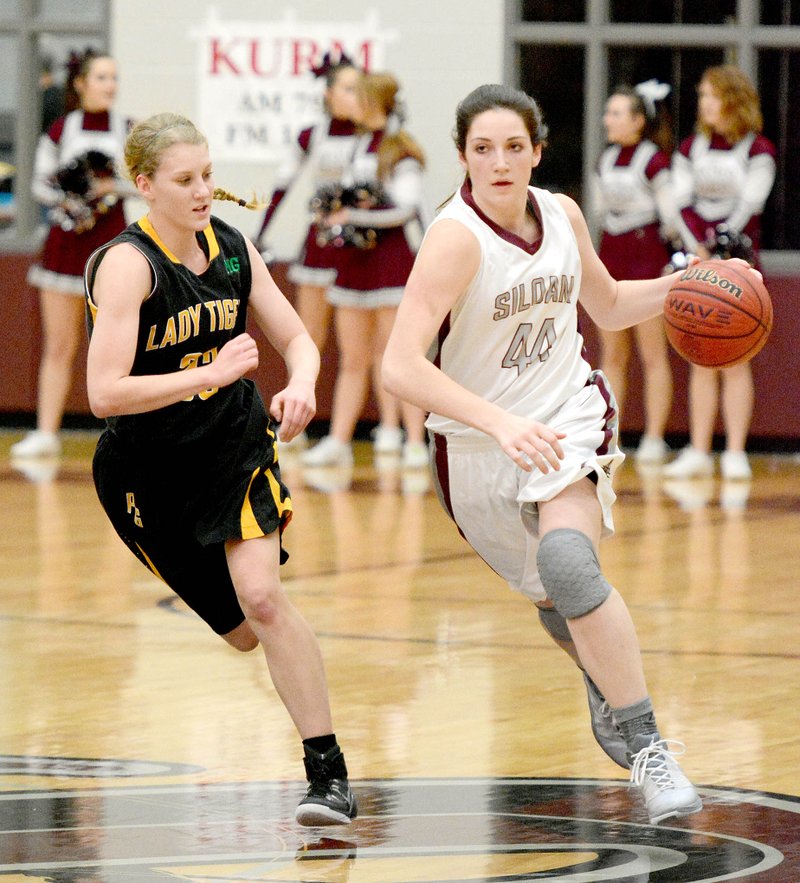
(651, 91)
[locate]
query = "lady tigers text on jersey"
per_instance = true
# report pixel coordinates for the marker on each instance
(221, 314)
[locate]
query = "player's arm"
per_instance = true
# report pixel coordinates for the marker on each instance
(295, 405)
(122, 283)
(611, 304)
(444, 268)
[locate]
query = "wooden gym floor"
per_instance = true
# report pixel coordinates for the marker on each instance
(136, 746)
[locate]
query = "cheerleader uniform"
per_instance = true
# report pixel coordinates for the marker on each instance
(65, 252)
(329, 146)
(637, 206)
(375, 277)
(719, 182)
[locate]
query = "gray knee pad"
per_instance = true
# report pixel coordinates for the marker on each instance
(570, 572)
(554, 624)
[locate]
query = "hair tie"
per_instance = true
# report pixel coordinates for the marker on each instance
(651, 91)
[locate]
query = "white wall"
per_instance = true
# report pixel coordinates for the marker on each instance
(443, 50)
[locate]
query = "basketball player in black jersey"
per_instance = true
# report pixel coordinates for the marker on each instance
(187, 468)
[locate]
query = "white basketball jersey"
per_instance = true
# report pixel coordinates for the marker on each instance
(513, 337)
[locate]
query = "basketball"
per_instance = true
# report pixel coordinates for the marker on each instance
(717, 314)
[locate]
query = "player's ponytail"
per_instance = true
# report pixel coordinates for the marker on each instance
(227, 196)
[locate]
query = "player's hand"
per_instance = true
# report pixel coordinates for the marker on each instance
(744, 265)
(238, 357)
(530, 444)
(293, 408)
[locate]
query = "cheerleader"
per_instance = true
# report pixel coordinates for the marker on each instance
(328, 146)
(638, 216)
(74, 176)
(375, 263)
(723, 175)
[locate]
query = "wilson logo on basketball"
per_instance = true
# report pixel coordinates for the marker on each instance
(711, 277)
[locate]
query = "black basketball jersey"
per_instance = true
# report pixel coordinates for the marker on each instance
(183, 323)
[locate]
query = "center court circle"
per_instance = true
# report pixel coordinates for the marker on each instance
(443, 830)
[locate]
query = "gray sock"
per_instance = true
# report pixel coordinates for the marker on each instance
(637, 723)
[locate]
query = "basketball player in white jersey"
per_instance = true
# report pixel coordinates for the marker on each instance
(524, 431)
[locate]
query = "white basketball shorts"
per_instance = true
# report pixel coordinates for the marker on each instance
(494, 503)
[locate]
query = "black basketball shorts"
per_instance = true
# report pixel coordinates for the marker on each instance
(176, 520)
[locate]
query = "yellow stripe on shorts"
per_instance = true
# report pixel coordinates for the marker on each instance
(149, 562)
(249, 524)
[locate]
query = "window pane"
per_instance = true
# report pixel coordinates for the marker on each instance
(781, 105)
(709, 12)
(8, 99)
(654, 12)
(780, 12)
(554, 77)
(628, 65)
(554, 10)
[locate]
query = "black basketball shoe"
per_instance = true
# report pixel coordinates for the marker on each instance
(329, 799)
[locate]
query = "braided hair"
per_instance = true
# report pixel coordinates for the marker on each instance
(149, 139)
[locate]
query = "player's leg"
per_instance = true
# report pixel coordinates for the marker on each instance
(606, 641)
(604, 728)
(606, 631)
(290, 646)
(242, 638)
(295, 664)
(481, 495)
